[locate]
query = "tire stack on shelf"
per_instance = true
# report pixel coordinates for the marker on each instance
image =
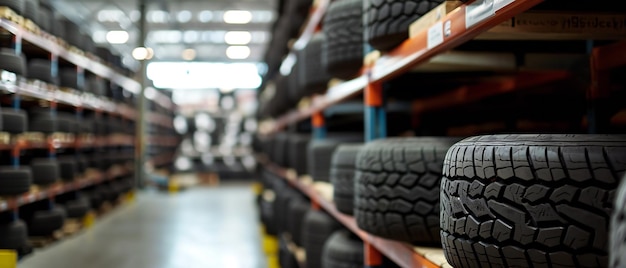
(463, 180)
(66, 137)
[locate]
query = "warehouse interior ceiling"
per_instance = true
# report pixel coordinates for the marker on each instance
(196, 32)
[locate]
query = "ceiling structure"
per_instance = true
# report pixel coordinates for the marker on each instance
(195, 27)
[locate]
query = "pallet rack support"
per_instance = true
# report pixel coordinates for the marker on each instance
(140, 131)
(603, 60)
(375, 128)
(319, 125)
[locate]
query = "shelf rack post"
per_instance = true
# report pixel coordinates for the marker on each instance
(375, 128)
(319, 125)
(603, 59)
(375, 115)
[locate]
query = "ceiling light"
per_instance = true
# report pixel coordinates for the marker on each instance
(142, 53)
(184, 16)
(117, 37)
(237, 16)
(237, 37)
(189, 54)
(238, 52)
(205, 16)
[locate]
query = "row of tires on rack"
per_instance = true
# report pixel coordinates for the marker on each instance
(523, 200)
(44, 218)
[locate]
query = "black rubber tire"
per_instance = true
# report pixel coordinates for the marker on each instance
(45, 222)
(343, 250)
(43, 122)
(45, 171)
(320, 152)
(312, 78)
(296, 156)
(343, 167)
(14, 181)
(294, 92)
(617, 237)
(77, 209)
(267, 213)
(279, 152)
(285, 258)
(530, 200)
(316, 229)
(65, 123)
(16, 5)
(9, 61)
(14, 235)
(397, 188)
(68, 77)
(44, 19)
(387, 22)
(41, 69)
(342, 50)
(95, 198)
(71, 33)
(284, 197)
(13, 121)
(68, 168)
(298, 208)
(31, 10)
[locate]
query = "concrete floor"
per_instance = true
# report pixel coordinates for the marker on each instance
(199, 227)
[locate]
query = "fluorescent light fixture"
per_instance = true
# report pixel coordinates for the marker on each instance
(238, 52)
(142, 53)
(157, 16)
(117, 37)
(205, 16)
(203, 75)
(237, 16)
(238, 37)
(189, 54)
(184, 16)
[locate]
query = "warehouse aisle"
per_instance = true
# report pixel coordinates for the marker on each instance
(200, 227)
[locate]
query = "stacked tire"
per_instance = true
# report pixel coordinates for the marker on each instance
(531, 200)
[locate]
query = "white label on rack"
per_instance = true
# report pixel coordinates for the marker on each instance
(435, 35)
(478, 11)
(499, 4)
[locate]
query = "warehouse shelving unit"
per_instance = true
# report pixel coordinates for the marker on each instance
(21, 88)
(441, 36)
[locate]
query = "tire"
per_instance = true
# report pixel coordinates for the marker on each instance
(285, 258)
(280, 149)
(319, 157)
(40, 69)
(95, 199)
(43, 122)
(14, 235)
(77, 209)
(343, 166)
(342, 50)
(397, 188)
(31, 9)
(530, 200)
(14, 181)
(45, 222)
(9, 61)
(317, 228)
(617, 252)
(297, 211)
(45, 171)
(13, 121)
(71, 33)
(386, 23)
(343, 249)
(68, 77)
(65, 123)
(312, 78)
(44, 19)
(296, 158)
(284, 197)
(68, 168)
(16, 5)
(267, 212)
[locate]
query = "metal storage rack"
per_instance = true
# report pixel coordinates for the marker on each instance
(441, 36)
(57, 49)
